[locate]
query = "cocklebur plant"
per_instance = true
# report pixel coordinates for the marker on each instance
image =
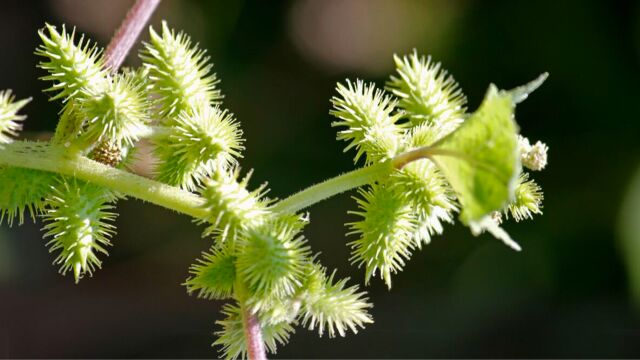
(425, 159)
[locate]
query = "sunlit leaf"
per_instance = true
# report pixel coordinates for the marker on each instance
(481, 159)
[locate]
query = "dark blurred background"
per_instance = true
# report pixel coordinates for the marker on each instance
(568, 294)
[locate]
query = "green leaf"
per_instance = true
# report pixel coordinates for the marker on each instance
(490, 225)
(482, 161)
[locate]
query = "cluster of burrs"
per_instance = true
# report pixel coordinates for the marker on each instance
(430, 157)
(470, 161)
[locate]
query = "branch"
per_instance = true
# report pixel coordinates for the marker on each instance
(331, 187)
(253, 334)
(425, 152)
(356, 178)
(57, 159)
(129, 30)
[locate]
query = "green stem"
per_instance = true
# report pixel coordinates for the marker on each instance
(355, 178)
(57, 159)
(425, 152)
(333, 186)
(429, 152)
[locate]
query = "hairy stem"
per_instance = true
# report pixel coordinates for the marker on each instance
(333, 186)
(425, 152)
(126, 35)
(355, 178)
(149, 190)
(59, 160)
(56, 158)
(428, 152)
(253, 334)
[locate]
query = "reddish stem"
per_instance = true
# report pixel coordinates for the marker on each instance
(129, 30)
(116, 52)
(253, 334)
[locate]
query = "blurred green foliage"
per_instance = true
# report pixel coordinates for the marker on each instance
(630, 237)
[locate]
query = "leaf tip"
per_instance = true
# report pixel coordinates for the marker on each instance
(521, 93)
